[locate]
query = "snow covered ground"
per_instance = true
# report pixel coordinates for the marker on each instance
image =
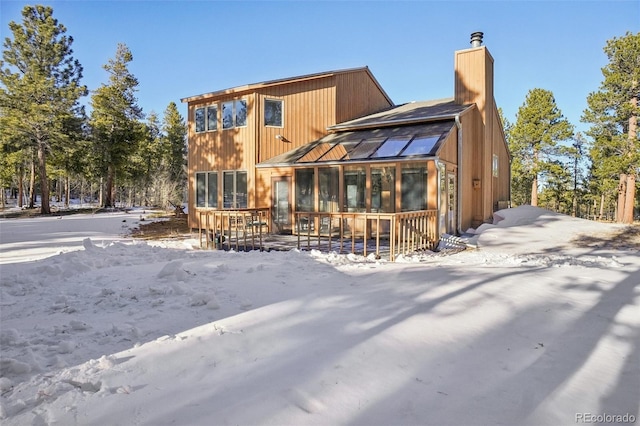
(539, 325)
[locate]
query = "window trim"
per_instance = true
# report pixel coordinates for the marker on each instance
(264, 118)
(195, 119)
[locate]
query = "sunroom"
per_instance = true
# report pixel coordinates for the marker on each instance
(384, 183)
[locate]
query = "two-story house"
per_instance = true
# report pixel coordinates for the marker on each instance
(324, 150)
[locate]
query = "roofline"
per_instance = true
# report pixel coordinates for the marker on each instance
(338, 162)
(281, 81)
(387, 123)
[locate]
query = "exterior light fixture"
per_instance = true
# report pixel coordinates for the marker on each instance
(282, 138)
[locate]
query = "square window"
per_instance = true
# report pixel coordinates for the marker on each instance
(273, 112)
(199, 120)
(212, 117)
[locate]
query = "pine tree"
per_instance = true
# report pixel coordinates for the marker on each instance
(41, 88)
(539, 127)
(613, 112)
(115, 125)
(175, 131)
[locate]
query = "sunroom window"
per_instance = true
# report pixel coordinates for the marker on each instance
(414, 188)
(355, 180)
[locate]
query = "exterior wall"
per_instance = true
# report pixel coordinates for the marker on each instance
(310, 105)
(358, 95)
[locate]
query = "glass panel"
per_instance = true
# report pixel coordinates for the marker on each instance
(339, 151)
(383, 189)
(355, 180)
(199, 120)
(212, 118)
(317, 152)
(241, 190)
(281, 202)
(364, 149)
(212, 193)
(227, 189)
(272, 113)
(421, 145)
(391, 148)
(227, 115)
(241, 113)
(304, 190)
(414, 188)
(201, 189)
(329, 189)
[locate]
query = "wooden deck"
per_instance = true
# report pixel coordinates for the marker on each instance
(383, 235)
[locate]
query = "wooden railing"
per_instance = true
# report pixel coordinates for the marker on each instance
(397, 233)
(238, 228)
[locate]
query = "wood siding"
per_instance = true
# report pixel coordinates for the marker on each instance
(310, 105)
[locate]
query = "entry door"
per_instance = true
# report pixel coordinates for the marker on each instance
(452, 203)
(281, 204)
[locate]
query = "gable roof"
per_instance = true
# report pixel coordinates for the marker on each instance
(265, 84)
(409, 113)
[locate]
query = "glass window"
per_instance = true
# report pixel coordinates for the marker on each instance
(364, 149)
(391, 147)
(199, 119)
(315, 153)
(273, 112)
(241, 113)
(340, 150)
(234, 190)
(329, 184)
(207, 189)
(494, 166)
(414, 188)
(227, 115)
(212, 117)
(383, 189)
(304, 190)
(355, 179)
(421, 145)
(201, 189)
(212, 190)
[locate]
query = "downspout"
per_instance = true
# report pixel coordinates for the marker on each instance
(459, 197)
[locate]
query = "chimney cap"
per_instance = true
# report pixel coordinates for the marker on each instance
(476, 39)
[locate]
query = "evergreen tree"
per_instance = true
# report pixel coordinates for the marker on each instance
(539, 127)
(175, 135)
(115, 125)
(613, 112)
(40, 88)
(175, 131)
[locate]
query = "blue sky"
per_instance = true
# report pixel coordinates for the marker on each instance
(185, 48)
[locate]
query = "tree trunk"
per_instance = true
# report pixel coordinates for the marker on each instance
(20, 185)
(629, 199)
(601, 206)
(622, 194)
(67, 191)
(44, 184)
(32, 184)
(534, 191)
(109, 192)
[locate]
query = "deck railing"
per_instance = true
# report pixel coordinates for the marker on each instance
(236, 228)
(397, 233)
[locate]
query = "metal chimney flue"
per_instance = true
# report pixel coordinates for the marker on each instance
(476, 39)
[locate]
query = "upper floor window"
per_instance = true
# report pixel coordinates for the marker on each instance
(273, 112)
(212, 117)
(234, 114)
(199, 119)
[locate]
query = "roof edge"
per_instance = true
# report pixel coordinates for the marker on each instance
(288, 80)
(387, 123)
